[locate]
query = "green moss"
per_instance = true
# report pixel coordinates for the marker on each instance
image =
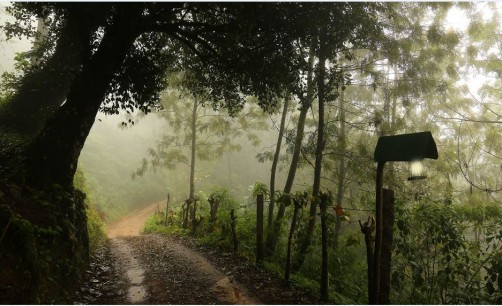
(19, 257)
(46, 254)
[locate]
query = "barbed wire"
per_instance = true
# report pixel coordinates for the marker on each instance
(358, 209)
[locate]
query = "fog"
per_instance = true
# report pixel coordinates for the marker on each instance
(112, 153)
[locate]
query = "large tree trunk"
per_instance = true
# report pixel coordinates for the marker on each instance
(305, 106)
(42, 91)
(273, 171)
(306, 237)
(52, 156)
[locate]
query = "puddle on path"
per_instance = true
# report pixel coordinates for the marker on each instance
(134, 272)
(230, 293)
(136, 294)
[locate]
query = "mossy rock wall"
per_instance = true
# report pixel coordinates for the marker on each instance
(44, 246)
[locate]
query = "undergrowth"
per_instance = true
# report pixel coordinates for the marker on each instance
(220, 234)
(452, 248)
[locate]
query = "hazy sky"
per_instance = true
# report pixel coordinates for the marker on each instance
(8, 49)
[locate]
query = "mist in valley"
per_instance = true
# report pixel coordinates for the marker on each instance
(112, 154)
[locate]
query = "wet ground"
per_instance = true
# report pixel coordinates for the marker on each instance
(159, 269)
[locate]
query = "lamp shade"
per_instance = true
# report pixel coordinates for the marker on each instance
(405, 147)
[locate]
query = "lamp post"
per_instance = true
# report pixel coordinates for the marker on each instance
(411, 148)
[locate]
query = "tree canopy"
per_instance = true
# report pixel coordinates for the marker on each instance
(120, 53)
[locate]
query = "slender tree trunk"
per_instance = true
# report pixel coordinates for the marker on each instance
(191, 192)
(192, 150)
(306, 237)
(323, 204)
(275, 162)
(342, 143)
(52, 156)
(305, 106)
(290, 239)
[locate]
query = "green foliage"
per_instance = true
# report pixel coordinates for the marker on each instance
(95, 226)
(260, 188)
(440, 258)
(155, 224)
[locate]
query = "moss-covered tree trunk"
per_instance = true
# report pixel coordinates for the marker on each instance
(52, 156)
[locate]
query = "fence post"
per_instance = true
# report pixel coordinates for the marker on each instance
(259, 229)
(234, 233)
(167, 208)
(368, 229)
(387, 237)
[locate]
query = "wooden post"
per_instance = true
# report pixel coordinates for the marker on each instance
(375, 284)
(186, 212)
(387, 238)
(167, 208)
(368, 229)
(234, 233)
(193, 216)
(290, 239)
(259, 229)
(214, 203)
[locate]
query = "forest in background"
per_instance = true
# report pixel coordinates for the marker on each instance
(447, 236)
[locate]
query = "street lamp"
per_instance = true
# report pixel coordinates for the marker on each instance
(411, 148)
(416, 170)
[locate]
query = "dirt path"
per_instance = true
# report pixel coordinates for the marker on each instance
(155, 269)
(131, 224)
(159, 269)
(175, 274)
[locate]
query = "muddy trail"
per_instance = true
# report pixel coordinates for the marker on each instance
(158, 269)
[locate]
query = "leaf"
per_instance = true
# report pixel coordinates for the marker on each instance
(352, 240)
